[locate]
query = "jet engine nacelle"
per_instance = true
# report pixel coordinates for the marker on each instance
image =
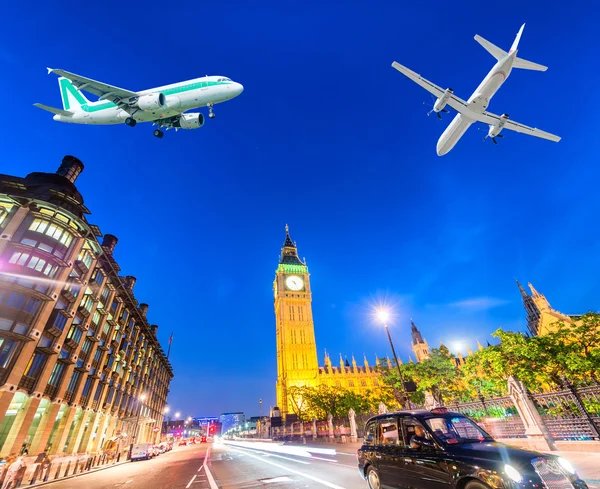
(151, 101)
(441, 102)
(496, 128)
(190, 121)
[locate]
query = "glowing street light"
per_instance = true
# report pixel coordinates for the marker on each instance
(177, 414)
(383, 314)
(166, 410)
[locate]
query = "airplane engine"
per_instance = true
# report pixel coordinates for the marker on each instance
(495, 129)
(441, 102)
(190, 121)
(151, 101)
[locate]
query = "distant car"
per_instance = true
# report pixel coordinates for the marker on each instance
(440, 449)
(182, 443)
(203, 440)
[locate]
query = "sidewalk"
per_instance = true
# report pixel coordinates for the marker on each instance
(62, 467)
(587, 464)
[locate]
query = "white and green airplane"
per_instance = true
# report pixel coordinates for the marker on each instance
(164, 106)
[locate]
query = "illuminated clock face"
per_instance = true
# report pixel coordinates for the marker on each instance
(294, 283)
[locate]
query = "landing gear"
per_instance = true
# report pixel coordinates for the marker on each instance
(211, 114)
(130, 121)
(158, 133)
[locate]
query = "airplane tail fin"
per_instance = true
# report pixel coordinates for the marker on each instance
(528, 65)
(54, 110)
(494, 50)
(523, 63)
(72, 98)
(515, 43)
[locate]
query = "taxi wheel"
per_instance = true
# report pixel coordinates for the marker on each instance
(373, 478)
(476, 485)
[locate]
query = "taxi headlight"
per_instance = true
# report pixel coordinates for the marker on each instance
(513, 473)
(565, 464)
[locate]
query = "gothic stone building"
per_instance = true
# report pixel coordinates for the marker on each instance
(297, 362)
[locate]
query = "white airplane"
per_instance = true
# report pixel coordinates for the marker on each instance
(473, 110)
(164, 106)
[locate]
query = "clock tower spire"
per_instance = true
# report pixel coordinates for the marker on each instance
(297, 363)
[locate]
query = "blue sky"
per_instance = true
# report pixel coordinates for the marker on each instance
(328, 138)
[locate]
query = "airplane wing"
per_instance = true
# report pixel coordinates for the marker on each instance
(455, 102)
(461, 106)
(102, 90)
(492, 119)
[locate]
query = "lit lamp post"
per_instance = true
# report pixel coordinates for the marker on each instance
(383, 315)
(165, 417)
(135, 433)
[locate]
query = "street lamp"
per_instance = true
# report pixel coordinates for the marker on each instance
(135, 433)
(384, 315)
(177, 414)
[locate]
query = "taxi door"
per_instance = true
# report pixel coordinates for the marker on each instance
(424, 467)
(389, 454)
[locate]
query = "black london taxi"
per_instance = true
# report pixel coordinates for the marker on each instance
(439, 449)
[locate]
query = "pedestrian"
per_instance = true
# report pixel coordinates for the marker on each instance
(13, 472)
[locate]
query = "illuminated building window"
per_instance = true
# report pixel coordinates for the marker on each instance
(57, 373)
(4, 211)
(35, 364)
(350, 383)
(363, 382)
(87, 387)
(375, 383)
(20, 302)
(74, 381)
(86, 258)
(34, 262)
(338, 383)
(61, 238)
(75, 334)
(14, 326)
(7, 350)
(302, 336)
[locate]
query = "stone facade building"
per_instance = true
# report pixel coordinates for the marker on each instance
(80, 364)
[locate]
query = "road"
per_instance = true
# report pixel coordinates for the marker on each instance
(228, 467)
(236, 466)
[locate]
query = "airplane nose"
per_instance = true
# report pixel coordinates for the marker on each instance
(239, 88)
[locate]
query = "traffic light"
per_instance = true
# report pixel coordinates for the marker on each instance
(211, 430)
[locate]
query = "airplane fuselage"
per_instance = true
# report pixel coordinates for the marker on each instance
(477, 103)
(179, 97)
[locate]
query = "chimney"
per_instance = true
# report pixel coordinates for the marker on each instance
(109, 242)
(130, 281)
(154, 329)
(143, 309)
(70, 168)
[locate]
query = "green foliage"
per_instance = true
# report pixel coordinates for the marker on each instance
(571, 352)
(309, 402)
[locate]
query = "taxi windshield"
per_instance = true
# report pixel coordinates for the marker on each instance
(457, 430)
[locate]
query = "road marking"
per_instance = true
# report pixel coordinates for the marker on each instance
(200, 468)
(276, 479)
(130, 480)
(287, 469)
(269, 454)
(211, 479)
(190, 483)
(326, 459)
(285, 458)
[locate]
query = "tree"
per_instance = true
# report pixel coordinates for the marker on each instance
(300, 401)
(437, 374)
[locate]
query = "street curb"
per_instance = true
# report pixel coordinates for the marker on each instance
(39, 484)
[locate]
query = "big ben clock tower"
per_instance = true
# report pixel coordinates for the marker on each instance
(297, 363)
